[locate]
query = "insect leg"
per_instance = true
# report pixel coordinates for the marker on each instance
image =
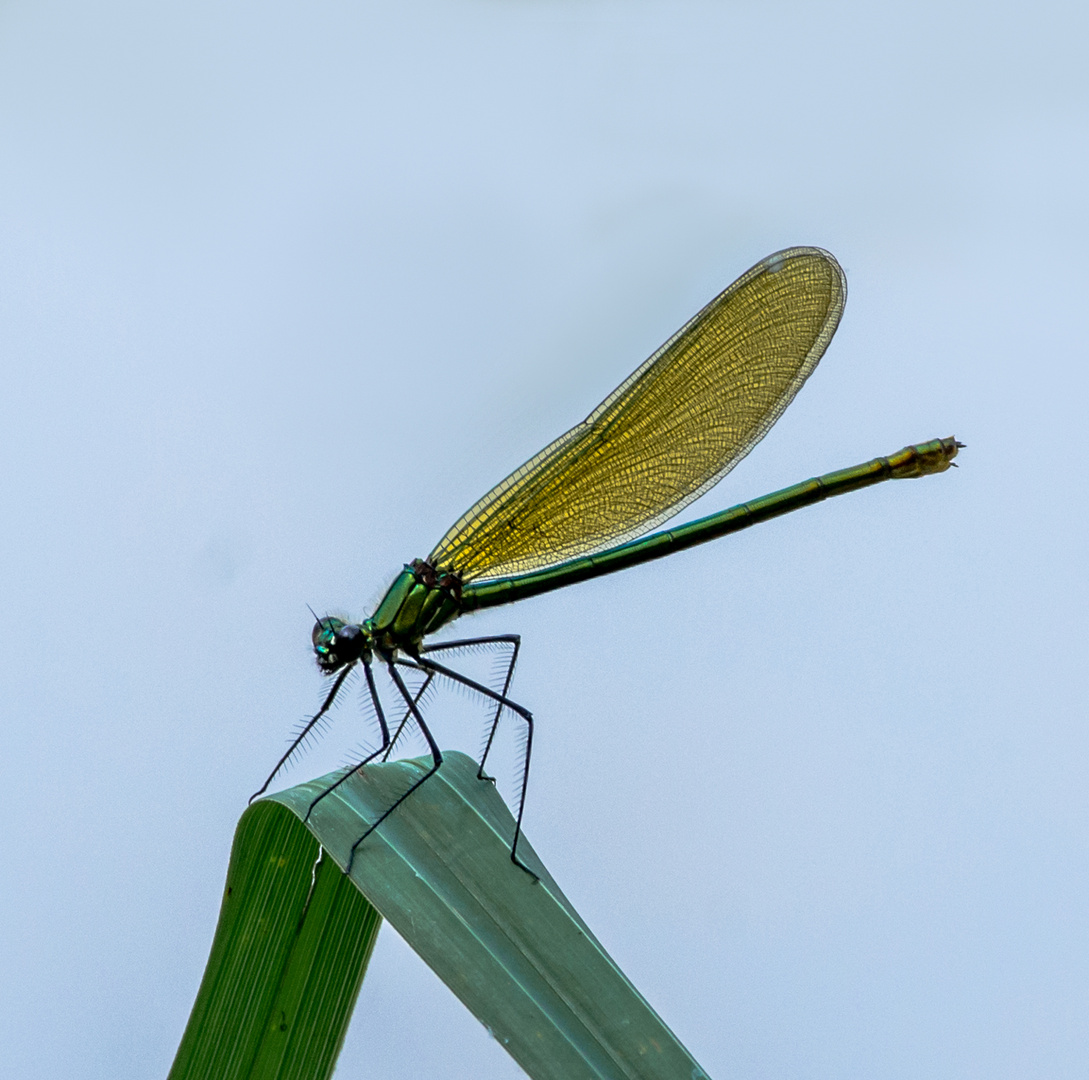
(436, 758)
(384, 748)
(325, 706)
(404, 719)
(514, 640)
(502, 700)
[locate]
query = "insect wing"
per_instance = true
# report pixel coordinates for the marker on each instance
(669, 432)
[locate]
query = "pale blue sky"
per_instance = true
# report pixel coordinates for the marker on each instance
(284, 288)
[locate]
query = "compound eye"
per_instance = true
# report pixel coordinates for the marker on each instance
(325, 630)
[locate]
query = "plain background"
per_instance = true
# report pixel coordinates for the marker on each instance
(285, 287)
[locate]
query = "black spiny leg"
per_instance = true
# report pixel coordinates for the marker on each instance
(500, 639)
(418, 697)
(325, 706)
(436, 758)
(438, 669)
(384, 748)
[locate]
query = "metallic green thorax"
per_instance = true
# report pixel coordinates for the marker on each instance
(424, 598)
(418, 602)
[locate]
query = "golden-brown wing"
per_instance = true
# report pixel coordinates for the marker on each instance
(670, 431)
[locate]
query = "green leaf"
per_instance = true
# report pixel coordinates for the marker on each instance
(438, 869)
(287, 961)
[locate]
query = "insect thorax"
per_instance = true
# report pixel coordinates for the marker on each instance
(419, 601)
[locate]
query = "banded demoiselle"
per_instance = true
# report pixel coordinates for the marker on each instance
(580, 508)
